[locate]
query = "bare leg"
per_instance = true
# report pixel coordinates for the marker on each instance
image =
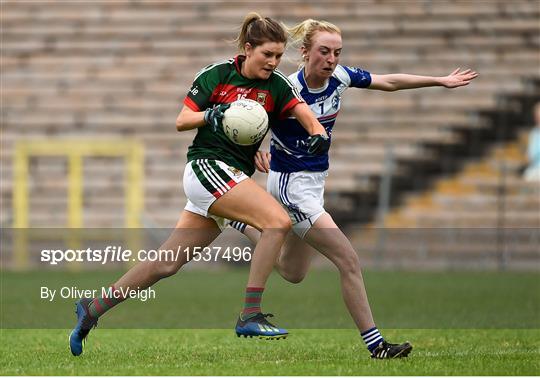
(191, 230)
(327, 238)
(295, 259)
(251, 204)
(252, 233)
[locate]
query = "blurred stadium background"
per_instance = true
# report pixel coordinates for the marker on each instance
(419, 179)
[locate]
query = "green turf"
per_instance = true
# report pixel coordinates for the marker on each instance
(461, 323)
(211, 299)
(305, 352)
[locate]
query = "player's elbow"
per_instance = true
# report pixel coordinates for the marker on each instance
(385, 87)
(390, 87)
(181, 124)
(386, 83)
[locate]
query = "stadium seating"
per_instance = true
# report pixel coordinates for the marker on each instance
(120, 70)
(485, 215)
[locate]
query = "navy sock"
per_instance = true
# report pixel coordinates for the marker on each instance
(372, 337)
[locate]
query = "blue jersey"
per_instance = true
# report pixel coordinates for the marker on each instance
(288, 145)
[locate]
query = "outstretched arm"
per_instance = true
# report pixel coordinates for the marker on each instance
(396, 82)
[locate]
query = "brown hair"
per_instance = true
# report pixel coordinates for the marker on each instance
(303, 32)
(257, 30)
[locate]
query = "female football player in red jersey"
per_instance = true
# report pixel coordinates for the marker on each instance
(217, 177)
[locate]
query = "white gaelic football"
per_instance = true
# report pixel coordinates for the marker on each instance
(245, 122)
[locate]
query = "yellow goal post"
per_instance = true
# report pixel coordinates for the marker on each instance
(74, 150)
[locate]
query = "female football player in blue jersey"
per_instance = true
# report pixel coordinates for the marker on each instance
(217, 177)
(297, 179)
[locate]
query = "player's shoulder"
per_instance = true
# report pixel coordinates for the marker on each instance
(280, 77)
(342, 73)
(217, 67)
(295, 79)
(347, 74)
(280, 83)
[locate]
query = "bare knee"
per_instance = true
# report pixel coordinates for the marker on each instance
(348, 263)
(165, 269)
(292, 276)
(279, 222)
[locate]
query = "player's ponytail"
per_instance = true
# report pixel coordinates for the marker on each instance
(257, 30)
(303, 33)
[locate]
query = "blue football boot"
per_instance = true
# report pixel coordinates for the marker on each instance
(258, 326)
(85, 323)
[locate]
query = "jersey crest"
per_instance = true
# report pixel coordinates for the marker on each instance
(261, 98)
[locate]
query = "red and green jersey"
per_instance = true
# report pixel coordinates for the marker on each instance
(222, 83)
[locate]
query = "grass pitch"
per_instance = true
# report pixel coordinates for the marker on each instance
(305, 352)
(460, 323)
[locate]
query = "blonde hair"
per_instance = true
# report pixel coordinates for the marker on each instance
(303, 33)
(257, 30)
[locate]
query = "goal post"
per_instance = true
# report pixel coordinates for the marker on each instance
(75, 151)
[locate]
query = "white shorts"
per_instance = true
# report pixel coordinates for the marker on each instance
(301, 194)
(205, 181)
